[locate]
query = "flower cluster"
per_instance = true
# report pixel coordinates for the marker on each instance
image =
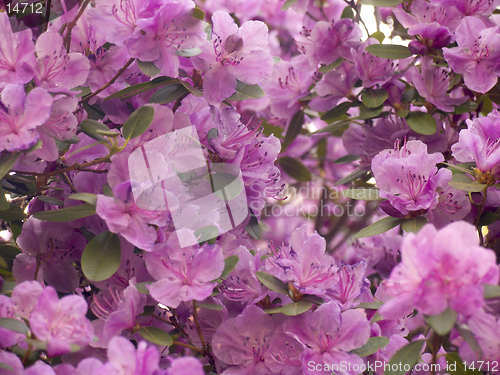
(226, 187)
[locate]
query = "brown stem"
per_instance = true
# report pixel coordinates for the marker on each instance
(67, 38)
(27, 354)
(480, 209)
(118, 74)
(197, 324)
(47, 15)
(192, 347)
(178, 102)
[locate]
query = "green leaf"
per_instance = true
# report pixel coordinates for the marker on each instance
(491, 291)
(253, 227)
(246, 92)
(8, 254)
(95, 111)
(66, 214)
(461, 168)
(272, 282)
(296, 308)
(469, 337)
(14, 325)
(487, 218)
(229, 264)
(288, 4)
(295, 169)
(85, 197)
(374, 98)
(366, 113)
(414, 224)
(198, 13)
(473, 187)
(276, 59)
(51, 200)
(294, 128)
(90, 127)
(381, 3)
(372, 346)
(4, 203)
(352, 177)
(193, 90)
(370, 305)
(7, 161)
(336, 112)
(444, 322)
(346, 159)
(13, 213)
(455, 365)
(142, 87)
(330, 67)
(206, 234)
(138, 122)
(403, 113)
(7, 367)
(313, 299)
(156, 336)
(188, 52)
(379, 35)
(148, 310)
(381, 226)
(347, 13)
(421, 122)
(141, 287)
(334, 127)
(272, 129)
(168, 94)
(148, 68)
(210, 306)
(407, 355)
(101, 257)
(466, 107)
(362, 194)
(389, 51)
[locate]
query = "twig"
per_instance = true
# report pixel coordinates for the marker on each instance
(67, 38)
(47, 15)
(118, 74)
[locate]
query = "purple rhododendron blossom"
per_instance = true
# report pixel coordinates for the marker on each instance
(432, 83)
(185, 366)
(481, 143)
(371, 69)
(247, 343)
(122, 216)
(60, 322)
(406, 176)
(48, 250)
(326, 42)
(328, 336)
(477, 56)
(150, 30)
(440, 269)
(17, 54)
(183, 274)
(20, 115)
(233, 54)
(125, 359)
(56, 69)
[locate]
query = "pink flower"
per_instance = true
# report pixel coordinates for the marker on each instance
(477, 56)
(440, 269)
(17, 54)
(20, 115)
(233, 54)
(183, 274)
(61, 322)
